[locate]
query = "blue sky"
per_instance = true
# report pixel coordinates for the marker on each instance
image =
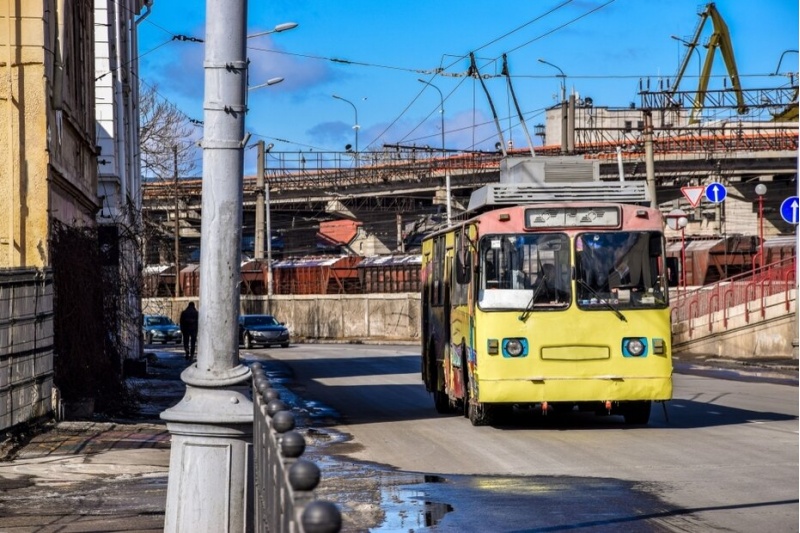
(603, 47)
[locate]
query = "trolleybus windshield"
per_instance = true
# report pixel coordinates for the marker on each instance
(520, 271)
(624, 269)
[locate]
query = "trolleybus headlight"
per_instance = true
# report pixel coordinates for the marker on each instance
(634, 347)
(515, 347)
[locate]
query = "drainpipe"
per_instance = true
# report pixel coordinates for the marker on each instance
(58, 65)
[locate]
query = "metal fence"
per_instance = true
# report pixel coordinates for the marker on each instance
(284, 483)
(26, 345)
(751, 288)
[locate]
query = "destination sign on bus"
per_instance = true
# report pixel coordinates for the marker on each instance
(565, 217)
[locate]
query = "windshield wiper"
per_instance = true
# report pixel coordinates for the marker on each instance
(529, 308)
(601, 299)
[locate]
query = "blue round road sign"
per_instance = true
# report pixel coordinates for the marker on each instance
(790, 208)
(716, 192)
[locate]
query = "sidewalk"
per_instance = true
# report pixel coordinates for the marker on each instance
(81, 476)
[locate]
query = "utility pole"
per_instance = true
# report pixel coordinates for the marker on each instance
(212, 426)
(269, 249)
(259, 242)
(571, 124)
(649, 163)
(177, 229)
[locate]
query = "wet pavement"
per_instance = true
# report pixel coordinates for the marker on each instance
(79, 476)
(95, 475)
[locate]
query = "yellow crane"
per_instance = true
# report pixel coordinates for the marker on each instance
(720, 39)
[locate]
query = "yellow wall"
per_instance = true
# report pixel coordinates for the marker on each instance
(47, 162)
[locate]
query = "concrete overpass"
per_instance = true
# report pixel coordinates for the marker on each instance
(403, 185)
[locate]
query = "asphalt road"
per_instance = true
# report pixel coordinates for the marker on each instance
(722, 456)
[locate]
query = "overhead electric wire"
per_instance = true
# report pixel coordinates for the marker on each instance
(497, 39)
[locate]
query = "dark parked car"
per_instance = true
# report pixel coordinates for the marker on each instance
(262, 329)
(160, 328)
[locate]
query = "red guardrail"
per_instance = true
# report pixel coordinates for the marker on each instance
(749, 288)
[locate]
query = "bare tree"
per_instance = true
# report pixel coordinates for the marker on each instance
(162, 127)
(169, 155)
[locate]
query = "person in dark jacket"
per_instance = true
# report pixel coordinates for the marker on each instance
(189, 330)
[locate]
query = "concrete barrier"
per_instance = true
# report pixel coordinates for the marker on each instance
(747, 331)
(396, 317)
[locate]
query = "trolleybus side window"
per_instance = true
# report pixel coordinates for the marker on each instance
(462, 270)
(437, 272)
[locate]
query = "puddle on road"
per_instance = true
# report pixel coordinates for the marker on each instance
(374, 498)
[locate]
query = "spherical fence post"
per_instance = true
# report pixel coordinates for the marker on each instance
(283, 421)
(304, 475)
(293, 444)
(321, 517)
(275, 406)
(272, 394)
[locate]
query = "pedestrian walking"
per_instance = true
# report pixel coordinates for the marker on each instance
(189, 330)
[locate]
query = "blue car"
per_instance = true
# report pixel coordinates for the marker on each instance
(262, 330)
(160, 328)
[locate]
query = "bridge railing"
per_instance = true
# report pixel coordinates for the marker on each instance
(283, 482)
(751, 288)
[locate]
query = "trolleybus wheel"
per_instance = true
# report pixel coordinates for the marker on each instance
(637, 413)
(479, 414)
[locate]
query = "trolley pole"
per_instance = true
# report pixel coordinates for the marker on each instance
(212, 425)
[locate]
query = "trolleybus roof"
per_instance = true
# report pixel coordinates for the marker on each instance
(507, 194)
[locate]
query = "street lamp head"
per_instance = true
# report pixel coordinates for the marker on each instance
(682, 222)
(285, 26)
(277, 29)
(271, 81)
(761, 189)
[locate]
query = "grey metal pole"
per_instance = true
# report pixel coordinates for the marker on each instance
(259, 242)
(177, 226)
(649, 162)
(269, 247)
(571, 124)
(212, 426)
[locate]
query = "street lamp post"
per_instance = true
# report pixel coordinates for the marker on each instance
(446, 173)
(677, 220)
(693, 47)
(682, 222)
(761, 190)
(355, 126)
(211, 427)
(564, 112)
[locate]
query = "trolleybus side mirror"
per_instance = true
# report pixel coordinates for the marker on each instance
(672, 272)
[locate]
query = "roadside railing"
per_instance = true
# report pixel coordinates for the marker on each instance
(751, 289)
(284, 483)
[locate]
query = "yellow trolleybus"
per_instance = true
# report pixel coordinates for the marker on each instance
(550, 298)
